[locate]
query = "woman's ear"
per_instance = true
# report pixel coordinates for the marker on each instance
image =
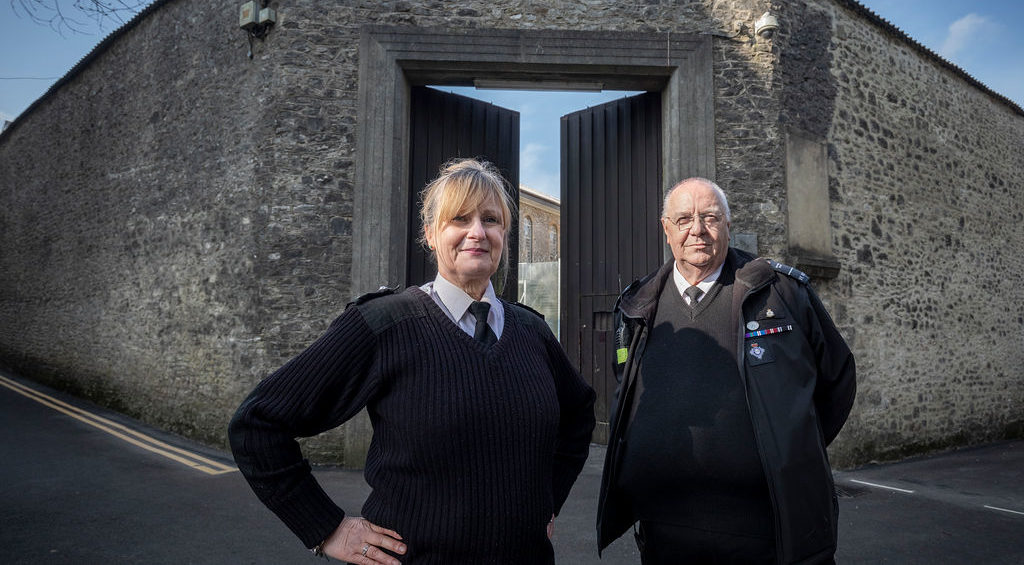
(428, 236)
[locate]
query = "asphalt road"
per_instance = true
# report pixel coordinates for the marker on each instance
(82, 485)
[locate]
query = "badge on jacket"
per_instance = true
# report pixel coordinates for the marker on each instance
(758, 355)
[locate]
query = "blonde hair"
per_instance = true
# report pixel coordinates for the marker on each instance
(462, 186)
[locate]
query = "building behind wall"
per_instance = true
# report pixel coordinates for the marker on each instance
(539, 283)
(539, 224)
(183, 246)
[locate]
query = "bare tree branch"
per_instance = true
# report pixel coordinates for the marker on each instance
(60, 18)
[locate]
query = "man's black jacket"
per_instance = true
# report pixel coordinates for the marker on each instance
(800, 384)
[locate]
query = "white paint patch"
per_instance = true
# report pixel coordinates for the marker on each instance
(1004, 510)
(882, 486)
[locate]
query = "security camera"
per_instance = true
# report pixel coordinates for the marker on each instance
(766, 25)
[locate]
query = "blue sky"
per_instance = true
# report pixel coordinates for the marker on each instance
(983, 37)
(33, 56)
(539, 123)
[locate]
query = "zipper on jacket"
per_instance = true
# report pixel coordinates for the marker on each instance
(741, 361)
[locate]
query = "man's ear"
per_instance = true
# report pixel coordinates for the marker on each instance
(667, 227)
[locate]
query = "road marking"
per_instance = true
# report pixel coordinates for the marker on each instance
(121, 431)
(882, 486)
(1004, 510)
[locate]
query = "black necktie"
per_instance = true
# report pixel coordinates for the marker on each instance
(694, 293)
(483, 332)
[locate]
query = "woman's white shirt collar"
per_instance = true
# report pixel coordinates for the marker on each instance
(454, 302)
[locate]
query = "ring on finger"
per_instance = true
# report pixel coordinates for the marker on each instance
(366, 548)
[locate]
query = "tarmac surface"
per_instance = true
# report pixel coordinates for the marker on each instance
(80, 484)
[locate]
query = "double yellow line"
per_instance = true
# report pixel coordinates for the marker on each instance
(133, 437)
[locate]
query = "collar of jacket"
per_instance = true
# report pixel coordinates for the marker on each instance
(640, 299)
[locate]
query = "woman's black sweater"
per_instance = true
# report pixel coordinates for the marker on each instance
(473, 448)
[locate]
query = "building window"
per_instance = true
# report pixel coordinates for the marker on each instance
(553, 242)
(528, 239)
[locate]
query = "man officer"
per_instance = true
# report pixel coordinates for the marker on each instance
(732, 381)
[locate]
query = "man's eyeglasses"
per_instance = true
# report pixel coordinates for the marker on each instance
(709, 220)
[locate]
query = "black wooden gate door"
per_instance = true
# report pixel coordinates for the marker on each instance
(445, 126)
(611, 199)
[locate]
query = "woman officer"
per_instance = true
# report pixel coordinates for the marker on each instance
(480, 423)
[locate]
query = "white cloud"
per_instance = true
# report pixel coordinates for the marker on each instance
(964, 32)
(527, 116)
(539, 168)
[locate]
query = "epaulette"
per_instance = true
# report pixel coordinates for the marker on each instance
(527, 308)
(382, 291)
(386, 307)
(790, 271)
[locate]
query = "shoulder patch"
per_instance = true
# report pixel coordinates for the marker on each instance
(789, 271)
(385, 308)
(382, 291)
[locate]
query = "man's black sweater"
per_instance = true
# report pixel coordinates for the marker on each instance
(690, 457)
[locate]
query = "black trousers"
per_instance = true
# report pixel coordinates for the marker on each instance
(667, 544)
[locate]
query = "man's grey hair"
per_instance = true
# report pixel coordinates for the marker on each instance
(718, 192)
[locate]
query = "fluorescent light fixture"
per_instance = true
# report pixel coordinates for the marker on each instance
(489, 84)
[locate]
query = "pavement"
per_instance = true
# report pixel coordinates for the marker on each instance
(84, 485)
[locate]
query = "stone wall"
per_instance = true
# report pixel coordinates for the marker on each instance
(926, 177)
(134, 203)
(177, 217)
(176, 220)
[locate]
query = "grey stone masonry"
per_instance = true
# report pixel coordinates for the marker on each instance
(926, 178)
(178, 219)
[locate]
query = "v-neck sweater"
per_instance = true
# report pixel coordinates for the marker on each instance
(690, 457)
(474, 447)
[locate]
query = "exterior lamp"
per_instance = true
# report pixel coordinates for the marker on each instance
(766, 25)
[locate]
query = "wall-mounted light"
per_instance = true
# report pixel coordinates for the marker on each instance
(256, 21)
(766, 25)
(268, 16)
